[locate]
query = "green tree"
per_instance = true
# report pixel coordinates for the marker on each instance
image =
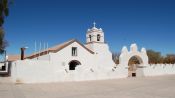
(4, 11)
(3, 42)
(154, 57)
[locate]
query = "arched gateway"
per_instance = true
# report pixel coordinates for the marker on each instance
(141, 56)
(73, 64)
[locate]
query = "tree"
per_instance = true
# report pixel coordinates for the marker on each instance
(3, 42)
(4, 11)
(169, 59)
(154, 57)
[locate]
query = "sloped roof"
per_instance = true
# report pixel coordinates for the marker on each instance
(57, 48)
(13, 57)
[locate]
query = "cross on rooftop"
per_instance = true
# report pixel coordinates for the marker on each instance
(94, 24)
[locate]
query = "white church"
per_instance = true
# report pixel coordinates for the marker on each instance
(74, 61)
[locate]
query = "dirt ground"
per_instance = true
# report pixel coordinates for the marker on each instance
(142, 87)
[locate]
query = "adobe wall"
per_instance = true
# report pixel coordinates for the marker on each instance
(30, 71)
(39, 71)
(159, 69)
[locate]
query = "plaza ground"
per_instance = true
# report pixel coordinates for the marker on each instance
(140, 87)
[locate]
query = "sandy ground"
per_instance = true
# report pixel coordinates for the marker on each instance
(144, 87)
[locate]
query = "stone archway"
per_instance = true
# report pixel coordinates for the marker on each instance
(133, 64)
(140, 55)
(73, 64)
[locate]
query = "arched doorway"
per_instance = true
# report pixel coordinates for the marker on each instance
(133, 64)
(73, 64)
(127, 55)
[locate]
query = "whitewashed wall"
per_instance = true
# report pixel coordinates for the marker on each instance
(159, 69)
(30, 71)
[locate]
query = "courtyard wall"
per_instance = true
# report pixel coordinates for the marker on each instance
(37, 71)
(159, 69)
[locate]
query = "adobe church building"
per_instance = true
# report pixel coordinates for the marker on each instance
(74, 61)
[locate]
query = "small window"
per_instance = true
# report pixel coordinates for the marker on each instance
(90, 37)
(74, 51)
(98, 37)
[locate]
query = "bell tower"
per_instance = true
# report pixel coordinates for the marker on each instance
(95, 35)
(95, 42)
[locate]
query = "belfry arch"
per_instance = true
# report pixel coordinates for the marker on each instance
(126, 55)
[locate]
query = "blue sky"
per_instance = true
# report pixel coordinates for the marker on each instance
(149, 23)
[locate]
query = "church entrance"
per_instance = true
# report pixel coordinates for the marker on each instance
(73, 64)
(133, 64)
